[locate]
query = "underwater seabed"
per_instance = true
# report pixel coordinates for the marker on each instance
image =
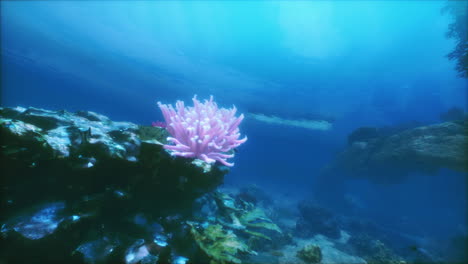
(81, 188)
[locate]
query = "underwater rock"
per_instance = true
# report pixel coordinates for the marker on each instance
(66, 156)
(368, 238)
(81, 183)
(253, 194)
(219, 245)
(389, 159)
(81, 188)
(245, 217)
(138, 252)
(229, 220)
(98, 250)
(316, 220)
(46, 232)
(43, 221)
(329, 251)
(178, 260)
(374, 251)
(310, 254)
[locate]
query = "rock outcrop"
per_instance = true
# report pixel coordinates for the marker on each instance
(390, 158)
(61, 155)
(81, 188)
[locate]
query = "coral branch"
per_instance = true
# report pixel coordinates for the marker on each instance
(203, 131)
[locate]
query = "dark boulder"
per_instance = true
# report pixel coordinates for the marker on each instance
(81, 188)
(389, 159)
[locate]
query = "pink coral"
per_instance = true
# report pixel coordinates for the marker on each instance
(158, 124)
(203, 131)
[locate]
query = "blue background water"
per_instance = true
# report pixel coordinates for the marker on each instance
(363, 63)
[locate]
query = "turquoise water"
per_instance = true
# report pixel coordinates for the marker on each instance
(304, 73)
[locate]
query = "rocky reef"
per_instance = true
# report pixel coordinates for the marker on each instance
(81, 188)
(57, 155)
(387, 158)
(310, 254)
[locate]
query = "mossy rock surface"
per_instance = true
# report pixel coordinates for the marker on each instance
(59, 155)
(310, 254)
(220, 246)
(391, 158)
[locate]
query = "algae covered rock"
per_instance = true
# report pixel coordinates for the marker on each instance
(245, 225)
(245, 217)
(384, 158)
(82, 188)
(310, 254)
(65, 156)
(221, 246)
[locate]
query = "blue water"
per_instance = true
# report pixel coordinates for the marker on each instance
(363, 63)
